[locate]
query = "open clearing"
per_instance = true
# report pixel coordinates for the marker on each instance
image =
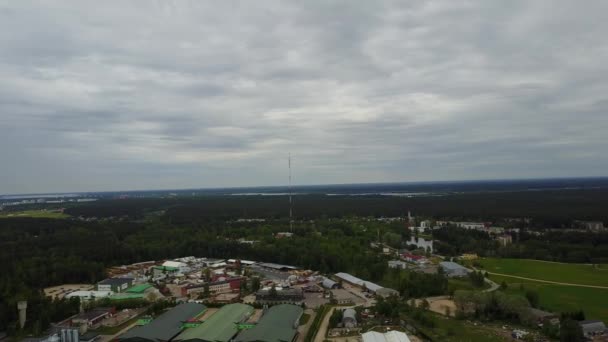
(34, 213)
(583, 274)
(560, 298)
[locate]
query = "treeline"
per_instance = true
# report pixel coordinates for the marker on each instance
(551, 209)
(562, 246)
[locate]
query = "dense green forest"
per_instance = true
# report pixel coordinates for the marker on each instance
(555, 208)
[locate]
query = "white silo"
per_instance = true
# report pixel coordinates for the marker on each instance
(22, 307)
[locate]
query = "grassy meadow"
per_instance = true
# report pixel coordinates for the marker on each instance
(585, 274)
(34, 214)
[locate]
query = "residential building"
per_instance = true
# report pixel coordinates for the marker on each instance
(504, 240)
(595, 226)
(115, 284)
(283, 235)
(417, 259)
(166, 326)
(220, 327)
(398, 264)
(278, 324)
(452, 269)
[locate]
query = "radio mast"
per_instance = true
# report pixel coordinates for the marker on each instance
(290, 201)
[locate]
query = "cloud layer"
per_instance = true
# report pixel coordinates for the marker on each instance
(162, 94)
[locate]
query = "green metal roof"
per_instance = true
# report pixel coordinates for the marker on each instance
(141, 288)
(121, 296)
(220, 327)
(277, 325)
(165, 326)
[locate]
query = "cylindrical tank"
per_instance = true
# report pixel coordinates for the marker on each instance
(22, 307)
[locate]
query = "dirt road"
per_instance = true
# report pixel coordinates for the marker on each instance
(320, 337)
(303, 329)
(549, 281)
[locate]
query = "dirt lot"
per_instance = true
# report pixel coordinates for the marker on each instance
(314, 300)
(61, 290)
(439, 305)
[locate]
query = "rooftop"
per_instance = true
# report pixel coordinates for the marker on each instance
(277, 325)
(115, 281)
(165, 326)
(391, 336)
(277, 266)
(354, 280)
(450, 265)
(221, 326)
(141, 288)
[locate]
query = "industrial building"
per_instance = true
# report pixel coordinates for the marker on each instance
(229, 285)
(452, 269)
(141, 288)
(391, 336)
(349, 318)
(278, 324)
(592, 328)
(386, 292)
(330, 284)
(115, 284)
(166, 326)
(220, 327)
(358, 282)
(277, 267)
(295, 295)
(92, 318)
(89, 295)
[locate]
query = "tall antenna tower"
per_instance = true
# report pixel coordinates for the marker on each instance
(290, 201)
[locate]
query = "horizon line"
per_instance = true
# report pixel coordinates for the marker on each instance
(310, 185)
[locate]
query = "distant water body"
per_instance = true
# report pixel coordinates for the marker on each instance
(411, 189)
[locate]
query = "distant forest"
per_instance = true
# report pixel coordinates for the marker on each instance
(555, 208)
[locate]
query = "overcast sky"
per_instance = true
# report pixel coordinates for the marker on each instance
(159, 94)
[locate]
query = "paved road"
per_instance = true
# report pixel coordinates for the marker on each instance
(550, 282)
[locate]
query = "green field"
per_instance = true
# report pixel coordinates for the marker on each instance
(560, 298)
(585, 274)
(34, 213)
(452, 330)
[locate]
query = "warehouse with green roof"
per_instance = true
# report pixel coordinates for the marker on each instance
(220, 327)
(141, 288)
(166, 326)
(279, 324)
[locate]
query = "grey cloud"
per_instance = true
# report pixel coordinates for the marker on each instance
(136, 95)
